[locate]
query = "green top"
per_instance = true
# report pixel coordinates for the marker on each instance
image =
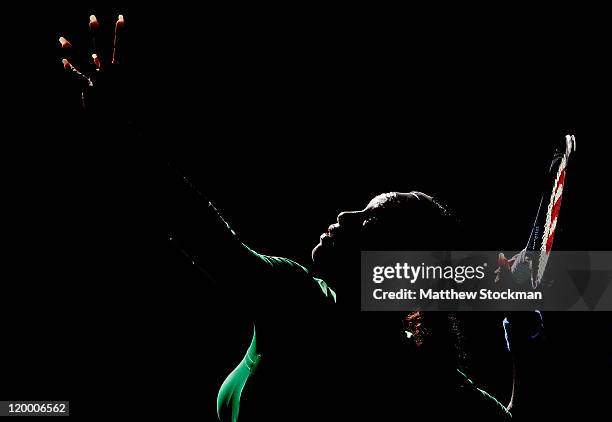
(489, 405)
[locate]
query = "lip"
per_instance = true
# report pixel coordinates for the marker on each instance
(329, 236)
(332, 229)
(325, 239)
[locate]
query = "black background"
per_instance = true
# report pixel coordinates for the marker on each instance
(284, 117)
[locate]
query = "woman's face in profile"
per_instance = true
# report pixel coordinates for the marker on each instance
(352, 228)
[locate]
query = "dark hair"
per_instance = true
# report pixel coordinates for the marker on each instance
(441, 333)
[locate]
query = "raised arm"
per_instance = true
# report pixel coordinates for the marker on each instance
(193, 224)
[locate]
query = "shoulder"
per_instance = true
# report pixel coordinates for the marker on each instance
(294, 278)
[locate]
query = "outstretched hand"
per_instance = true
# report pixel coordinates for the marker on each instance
(94, 69)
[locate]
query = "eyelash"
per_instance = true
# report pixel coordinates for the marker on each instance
(369, 220)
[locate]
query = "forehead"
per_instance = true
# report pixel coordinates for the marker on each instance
(382, 200)
(390, 199)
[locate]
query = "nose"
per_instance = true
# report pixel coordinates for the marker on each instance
(347, 218)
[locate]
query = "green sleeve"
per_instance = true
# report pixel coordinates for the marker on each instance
(197, 228)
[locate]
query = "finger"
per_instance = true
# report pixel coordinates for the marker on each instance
(503, 276)
(119, 27)
(65, 47)
(64, 43)
(80, 77)
(96, 61)
(503, 272)
(502, 261)
(94, 25)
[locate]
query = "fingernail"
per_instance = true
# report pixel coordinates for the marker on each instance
(503, 261)
(66, 63)
(93, 22)
(64, 42)
(120, 21)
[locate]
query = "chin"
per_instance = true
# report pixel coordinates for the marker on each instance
(316, 253)
(322, 255)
